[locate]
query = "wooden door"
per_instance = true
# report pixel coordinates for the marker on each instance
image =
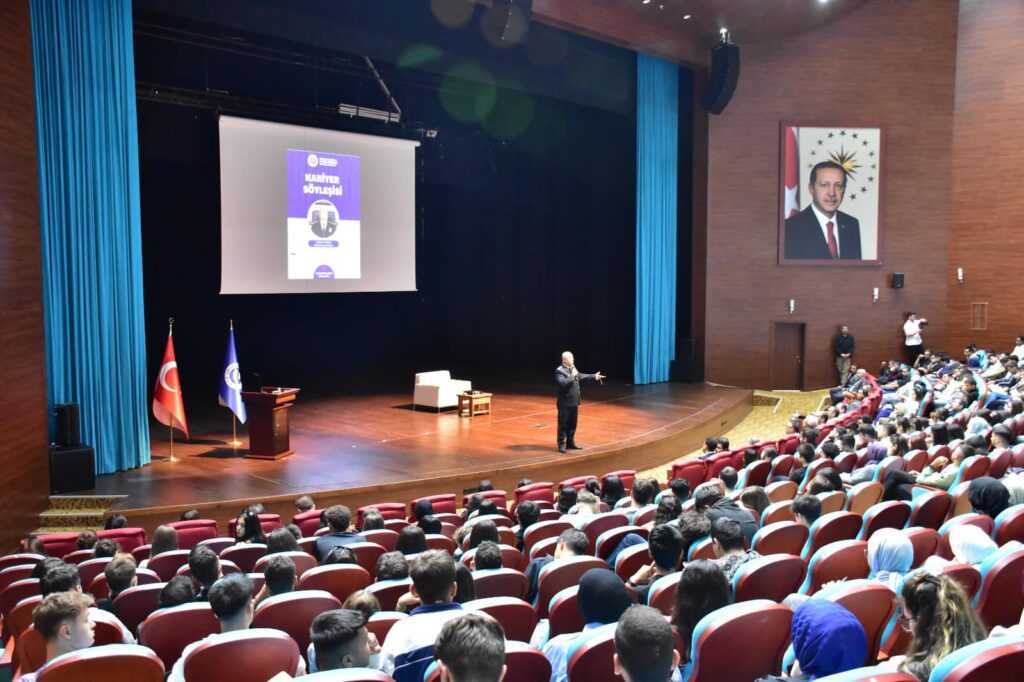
(788, 356)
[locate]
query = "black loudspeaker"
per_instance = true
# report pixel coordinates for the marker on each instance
(897, 280)
(72, 469)
(511, 20)
(68, 431)
(725, 73)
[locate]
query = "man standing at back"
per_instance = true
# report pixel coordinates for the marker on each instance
(568, 379)
(912, 334)
(843, 347)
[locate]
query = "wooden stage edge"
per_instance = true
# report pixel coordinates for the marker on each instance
(680, 428)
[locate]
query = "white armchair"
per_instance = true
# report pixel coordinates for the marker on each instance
(438, 390)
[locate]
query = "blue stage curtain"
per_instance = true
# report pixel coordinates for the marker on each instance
(91, 232)
(657, 157)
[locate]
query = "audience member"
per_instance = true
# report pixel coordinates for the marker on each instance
(571, 543)
(339, 520)
(483, 530)
(232, 604)
(105, 548)
(471, 649)
(827, 639)
(643, 494)
(487, 556)
(713, 504)
(702, 589)
(755, 500)
(666, 548)
(115, 522)
(587, 506)
(566, 499)
(86, 539)
(62, 620)
(280, 578)
(669, 509)
(204, 564)
(189, 515)
(644, 647)
(364, 602)
(339, 639)
(178, 590)
(120, 575)
(806, 509)
(281, 540)
(304, 504)
(727, 537)
(430, 525)
(64, 577)
(294, 530)
(248, 529)
(613, 490)
(603, 598)
(392, 566)
(680, 487)
(408, 649)
(801, 460)
(465, 587)
(969, 544)
(339, 555)
(165, 539)
(527, 514)
(422, 508)
(729, 476)
(372, 520)
(988, 496)
(890, 554)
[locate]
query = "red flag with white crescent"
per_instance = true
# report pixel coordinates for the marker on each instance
(792, 161)
(168, 406)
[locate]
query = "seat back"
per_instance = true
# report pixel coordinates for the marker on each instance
(441, 504)
(14, 593)
(245, 556)
(590, 658)
(599, 523)
(191, 533)
(930, 509)
(925, 542)
(112, 663)
(980, 520)
(972, 468)
(20, 616)
(166, 564)
(884, 515)
(218, 545)
(441, 542)
(559, 575)
(778, 511)
(662, 594)
(30, 649)
(500, 582)
(875, 673)
(831, 528)
(846, 462)
(538, 492)
(968, 577)
(990, 660)
(577, 482)
(516, 616)
(812, 470)
(888, 464)
(863, 496)
(610, 539)
(701, 548)
(13, 574)
(380, 623)
(341, 580)
(999, 462)
(168, 631)
(87, 570)
(631, 560)
(564, 613)
(542, 530)
(1000, 601)
(136, 603)
(383, 537)
(391, 511)
(308, 522)
(772, 577)
(627, 476)
(294, 612)
(915, 460)
(832, 501)
(780, 491)
(498, 497)
(757, 473)
(302, 560)
(846, 559)
(781, 465)
(20, 559)
(691, 470)
(78, 556)
(761, 625)
(784, 537)
(367, 554)
(253, 655)
(388, 592)
(1009, 525)
(873, 604)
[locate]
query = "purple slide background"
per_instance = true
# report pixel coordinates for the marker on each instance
(346, 170)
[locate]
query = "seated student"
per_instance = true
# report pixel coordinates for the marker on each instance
(63, 577)
(571, 543)
(204, 565)
(339, 639)
(702, 589)
(802, 458)
(612, 491)
(372, 520)
(165, 539)
(603, 598)
(304, 504)
(120, 575)
(969, 544)
(178, 590)
(189, 515)
(487, 556)
(409, 646)
(471, 649)
(989, 496)
(279, 575)
(105, 548)
(727, 537)
(643, 494)
(527, 514)
(587, 506)
(645, 648)
(86, 539)
(249, 528)
(364, 602)
(465, 589)
(666, 547)
(827, 639)
(62, 619)
(339, 519)
(567, 497)
(890, 554)
(339, 555)
(942, 472)
(282, 540)
(713, 504)
(729, 476)
(806, 509)
(430, 525)
(231, 601)
(392, 566)
(755, 500)
(412, 539)
(710, 448)
(669, 509)
(680, 487)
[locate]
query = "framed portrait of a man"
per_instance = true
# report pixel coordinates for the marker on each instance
(830, 195)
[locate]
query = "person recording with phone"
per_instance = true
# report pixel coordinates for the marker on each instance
(568, 379)
(912, 332)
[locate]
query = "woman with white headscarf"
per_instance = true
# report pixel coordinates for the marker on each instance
(970, 545)
(890, 554)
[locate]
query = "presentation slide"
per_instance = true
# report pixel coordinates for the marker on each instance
(307, 210)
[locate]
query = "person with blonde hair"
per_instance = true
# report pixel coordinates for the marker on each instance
(938, 613)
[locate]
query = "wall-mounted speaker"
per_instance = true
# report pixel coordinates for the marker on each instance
(72, 469)
(725, 74)
(68, 429)
(897, 280)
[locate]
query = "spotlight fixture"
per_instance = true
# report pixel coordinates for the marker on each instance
(686, 17)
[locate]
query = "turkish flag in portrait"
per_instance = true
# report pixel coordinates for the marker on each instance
(168, 407)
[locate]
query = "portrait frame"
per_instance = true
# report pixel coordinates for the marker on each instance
(860, 149)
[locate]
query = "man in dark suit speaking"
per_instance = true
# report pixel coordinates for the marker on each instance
(568, 379)
(324, 223)
(821, 231)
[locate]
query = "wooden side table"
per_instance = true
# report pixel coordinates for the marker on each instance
(472, 404)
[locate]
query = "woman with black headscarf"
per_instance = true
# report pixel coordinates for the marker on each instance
(988, 496)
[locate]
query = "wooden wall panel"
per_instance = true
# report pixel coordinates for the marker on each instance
(23, 429)
(888, 63)
(985, 236)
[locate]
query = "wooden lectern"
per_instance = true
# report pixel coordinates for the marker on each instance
(268, 421)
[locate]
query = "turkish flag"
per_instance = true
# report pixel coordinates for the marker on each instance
(168, 407)
(792, 159)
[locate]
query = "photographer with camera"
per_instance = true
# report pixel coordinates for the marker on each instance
(912, 331)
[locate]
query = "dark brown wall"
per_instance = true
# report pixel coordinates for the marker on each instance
(986, 237)
(885, 63)
(23, 435)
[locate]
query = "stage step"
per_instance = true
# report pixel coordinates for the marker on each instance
(75, 513)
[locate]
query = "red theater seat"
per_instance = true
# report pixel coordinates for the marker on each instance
(245, 556)
(88, 570)
(391, 511)
(191, 533)
(602, 522)
(930, 509)
(268, 522)
(627, 476)
(555, 577)
(341, 580)
(13, 574)
(308, 522)
(30, 649)
(784, 537)
(762, 626)
(968, 577)
(516, 616)
(832, 501)
(542, 530)
(772, 577)
(218, 545)
(537, 492)
(982, 521)
(498, 497)
(925, 542)
(846, 559)
(1009, 525)
(303, 562)
(166, 564)
(441, 504)
(380, 623)
(246, 656)
(367, 554)
(831, 528)
(780, 491)
(500, 582)
(564, 612)
(884, 515)
(389, 592)
(384, 537)
(294, 612)
(863, 496)
(631, 560)
(610, 539)
(116, 663)
(78, 556)
(873, 604)
(690, 470)
(1000, 600)
(168, 631)
(777, 511)
(997, 659)
(135, 604)
(20, 559)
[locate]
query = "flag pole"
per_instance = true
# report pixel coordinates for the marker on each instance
(234, 417)
(170, 427)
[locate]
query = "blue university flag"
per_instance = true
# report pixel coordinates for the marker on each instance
(230, 394)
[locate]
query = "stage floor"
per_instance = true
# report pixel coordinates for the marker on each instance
(378, 440)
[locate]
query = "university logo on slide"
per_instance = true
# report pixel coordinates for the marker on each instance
(312, 160)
